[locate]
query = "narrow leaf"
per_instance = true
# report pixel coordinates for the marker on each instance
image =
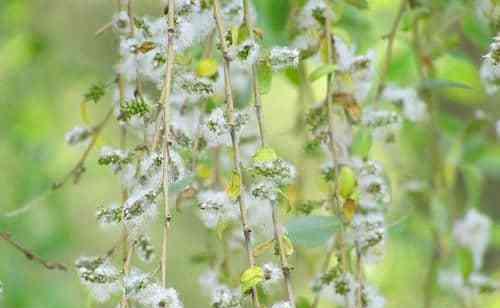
(322, 71)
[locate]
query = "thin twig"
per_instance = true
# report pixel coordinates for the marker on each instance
(335, 201)
(274, 207)
(78, 169)
(391, 36)
(165, 102)
(235, 143)
(31, 255)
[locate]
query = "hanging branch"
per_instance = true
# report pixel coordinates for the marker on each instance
(274, 206)
(165, 102)
(78, 169)
(31, 255)
(335, 201)
(391, 36)
(235, 143)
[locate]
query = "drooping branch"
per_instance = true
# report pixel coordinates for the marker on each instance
(274, 207)
(30, 255)
(391, 36)
(235, 142)
(165, 103)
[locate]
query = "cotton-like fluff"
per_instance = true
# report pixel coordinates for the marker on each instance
(284, 304)
(373, 187)
(283, 57)
(273, 275)
(221, 296)
(473, 232)
(385, 123)
(466, 289)
(366, 231)
(313, 13)
(139, 211)
(355, 72)
(99, 275)
(490, 68)
(216, 129)
(414, 109)
(77, 135)
(215, 207)
(488, 10)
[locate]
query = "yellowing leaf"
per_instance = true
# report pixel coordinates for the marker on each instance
(349, 209)
(264, 155)
(287, 246)
(233, 190)
(263, 248)
(207, 68)
(146, 47)
(204, 172)
(251, 278)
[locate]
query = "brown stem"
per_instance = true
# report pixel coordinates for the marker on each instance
(78, 169)
(165, 102)
(285, 267)
(235, 142)
(388, 50)
(31, 255)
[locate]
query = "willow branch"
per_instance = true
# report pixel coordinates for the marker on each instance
(389, 48)
(253, 74)
(31, 255)
(235, 142)
(335, 201)
(165, 102)
(78, 169)
(274, 207)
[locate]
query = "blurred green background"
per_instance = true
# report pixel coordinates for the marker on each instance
(48, 58)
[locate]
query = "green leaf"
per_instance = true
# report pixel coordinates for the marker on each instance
(322, 71)
(438, 84)
(265, 77)
(263, 248)
(233, 190)
(287, 246)
(362, 143)
(180, 185)
(473, 179)
(347, 182)
(311, 231)
(466, 262)
(95, 92)
(251, 278)
(264, 155)
(360, 4)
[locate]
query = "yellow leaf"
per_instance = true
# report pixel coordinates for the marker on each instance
(146, 47)
(263, 248)
(233, 190)
(287, 246)
(346, 182)
(203, 171)
(207, 68)
(349, 209)
(251, 278)
(264, 155)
